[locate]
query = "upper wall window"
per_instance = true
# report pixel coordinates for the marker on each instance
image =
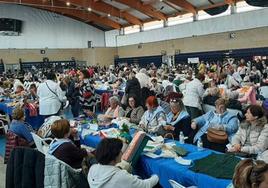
(153, 25)
(244, 7)
(180, 19)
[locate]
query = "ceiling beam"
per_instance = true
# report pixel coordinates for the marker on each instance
(145, 9)
(67, 11)
(172, 6)
(105, 8)
(185, 5)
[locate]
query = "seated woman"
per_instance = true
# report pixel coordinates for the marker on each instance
(19, 91)
(154, 118)
(106, 174)
(179, 120)
(220, 119)
(134, 111)
(252, 136)
(63, 148)
(32, 96)
(115, 110)
(19, 127)
(157, 88)
(250, 174)
(119, 84)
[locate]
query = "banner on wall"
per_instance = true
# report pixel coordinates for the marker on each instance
(192, 60)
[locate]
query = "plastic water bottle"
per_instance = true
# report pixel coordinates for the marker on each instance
(181, 138)
(200, 145)
(259, 156)
(79, 131)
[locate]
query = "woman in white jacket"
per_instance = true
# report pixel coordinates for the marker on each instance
(106, 174)
(252, 136)
(50, 96)
(192, 98)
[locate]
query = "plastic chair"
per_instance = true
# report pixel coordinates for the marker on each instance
(206, 108)
(264, 91)
(3, 126)
(40, 143)
(236, 112)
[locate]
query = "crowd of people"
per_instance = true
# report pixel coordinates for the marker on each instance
(166, 101)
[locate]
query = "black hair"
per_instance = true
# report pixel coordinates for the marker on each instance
(256, 110)
(32, 86)
(85, 73)
(137, 103)
(108, 150)
(51, 76)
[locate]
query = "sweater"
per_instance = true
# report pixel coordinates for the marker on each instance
(87, 96)
(107, 176)
(68, 153)
(135, 114)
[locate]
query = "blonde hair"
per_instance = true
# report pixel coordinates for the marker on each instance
(249, 173)
(221, 101)
(18, 113)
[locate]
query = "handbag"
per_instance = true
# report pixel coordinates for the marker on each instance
(216, 136)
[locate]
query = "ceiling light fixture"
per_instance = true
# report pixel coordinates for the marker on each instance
(109, 15)
(89, 9)
(68, 3)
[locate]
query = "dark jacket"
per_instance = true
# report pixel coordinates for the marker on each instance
(72, 93)
(70, 154)
(25, 168)
(184, 125)
(133, 87)
(232, 103)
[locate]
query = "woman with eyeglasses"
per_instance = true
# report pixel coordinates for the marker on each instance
(250, 174)
(178, 120)
(134, 111)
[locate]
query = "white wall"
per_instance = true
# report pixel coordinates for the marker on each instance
(45, 29)
(239, 21)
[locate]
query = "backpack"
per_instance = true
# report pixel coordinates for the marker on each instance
(45, 130)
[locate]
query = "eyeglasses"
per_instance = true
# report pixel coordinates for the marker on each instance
(174, 100)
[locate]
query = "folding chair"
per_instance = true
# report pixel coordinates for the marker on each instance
(40, 143)
(264, 91)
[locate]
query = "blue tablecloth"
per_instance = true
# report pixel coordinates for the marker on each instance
(101, 91)
(34, 121)
(169, 169)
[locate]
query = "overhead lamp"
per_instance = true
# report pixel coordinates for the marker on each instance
(109, 15)
(68, 3)
(89, 9)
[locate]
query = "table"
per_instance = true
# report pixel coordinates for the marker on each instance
(101, 91)
(169, 169)
(35, 121)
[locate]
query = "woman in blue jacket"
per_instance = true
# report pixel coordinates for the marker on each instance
(219, 119)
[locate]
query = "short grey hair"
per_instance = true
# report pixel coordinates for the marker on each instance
(115, 99)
